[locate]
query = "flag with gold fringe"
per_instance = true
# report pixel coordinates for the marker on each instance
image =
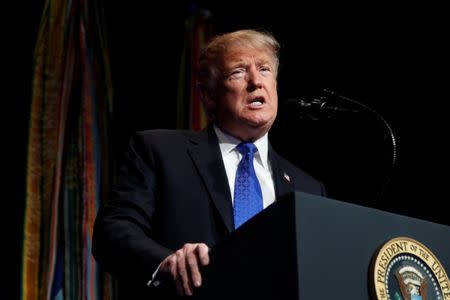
(67, 163)
(198, 29)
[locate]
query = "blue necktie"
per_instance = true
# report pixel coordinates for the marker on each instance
(247, 191)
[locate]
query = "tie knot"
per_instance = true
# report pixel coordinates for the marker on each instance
(247, 148)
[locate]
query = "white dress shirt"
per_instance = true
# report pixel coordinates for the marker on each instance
(231, 158)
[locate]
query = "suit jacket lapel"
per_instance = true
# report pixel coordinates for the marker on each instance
(205, 153)
(282, 180)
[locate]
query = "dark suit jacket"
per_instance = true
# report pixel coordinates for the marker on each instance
(172, 189)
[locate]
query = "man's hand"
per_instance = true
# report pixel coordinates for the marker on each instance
(183, 267)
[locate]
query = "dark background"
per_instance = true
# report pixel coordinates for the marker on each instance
(388, 55)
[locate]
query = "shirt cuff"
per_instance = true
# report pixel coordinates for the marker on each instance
(153, 282)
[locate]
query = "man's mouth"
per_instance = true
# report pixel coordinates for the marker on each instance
(257, 101)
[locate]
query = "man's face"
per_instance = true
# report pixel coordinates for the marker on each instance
(247, 99)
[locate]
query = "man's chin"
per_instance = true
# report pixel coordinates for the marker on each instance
(260, 124)
(247, 129)
(258, 129)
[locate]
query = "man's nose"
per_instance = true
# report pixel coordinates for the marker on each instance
(254, 79)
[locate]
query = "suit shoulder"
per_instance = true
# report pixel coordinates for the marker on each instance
(161, 136)
(162, 140)
(296, 170)
(158, 133)
(306, 181)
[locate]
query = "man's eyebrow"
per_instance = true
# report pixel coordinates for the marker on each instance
(263, 61)
(238, 64)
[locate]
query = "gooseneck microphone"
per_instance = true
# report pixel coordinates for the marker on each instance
(318, 106)
(331, 104)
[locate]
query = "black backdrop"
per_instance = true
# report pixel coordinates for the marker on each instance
(390, 56)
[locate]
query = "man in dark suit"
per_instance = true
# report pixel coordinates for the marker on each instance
(176, 192)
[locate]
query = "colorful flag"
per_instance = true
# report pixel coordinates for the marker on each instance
(198, 29)
(67, 163)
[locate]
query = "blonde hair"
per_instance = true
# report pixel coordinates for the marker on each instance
(210, 61)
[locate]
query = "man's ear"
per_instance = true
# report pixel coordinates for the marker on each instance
(209, 103)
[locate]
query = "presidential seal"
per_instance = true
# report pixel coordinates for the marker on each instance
(404, 269)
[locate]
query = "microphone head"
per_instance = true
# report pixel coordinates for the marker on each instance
(328, 92)
(315, 108)
(305, 108)
(299, 102)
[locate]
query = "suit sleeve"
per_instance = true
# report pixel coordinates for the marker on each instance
(123, 238)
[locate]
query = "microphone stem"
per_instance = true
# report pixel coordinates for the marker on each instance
(383, 122)
(386, 126)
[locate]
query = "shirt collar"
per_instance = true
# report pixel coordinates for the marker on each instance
(228, 143)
